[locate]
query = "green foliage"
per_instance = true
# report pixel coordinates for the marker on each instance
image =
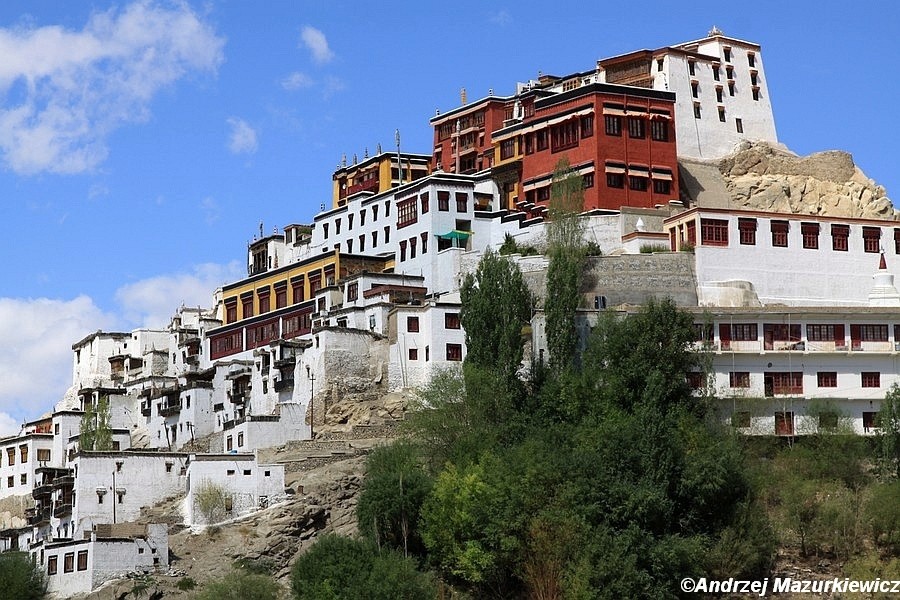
(592, 248)
(339, 568)
(186, 583)
(95, 431)
(883, 514)
(20, 577)
(210, 500)
(651, 248)
(888, 440)
(240, 585)
(687, 247)
(496, 305)
(391, 498)
(566, 248)
(511, 246)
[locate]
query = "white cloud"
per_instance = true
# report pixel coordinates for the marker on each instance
(8, 425)
(297, 80)
(66, 90)
(210, 210)
(242, 139)
(501, 18)
(36, 354)
(152, 302)
(315, 42)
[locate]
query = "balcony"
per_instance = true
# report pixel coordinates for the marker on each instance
(238, 397)
(866, 346)
(826, 347)
(38, 517)
(284, 385)
(784, 346)
(170, 410)
(741, 346)
(65, 481)
(146, 409)
(42, 490)
(62, 509)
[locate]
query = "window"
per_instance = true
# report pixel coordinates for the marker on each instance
(587, 181)
(729, 72)
(613, 124)
(23, 451)
(744, 332)
(779, 233)
(714, 232)
(871, 379)
(691, 67)
(423, 200)
(507, 148)
(543, 139)
(43, 455)
(869, 333)
(23, 479)
(731, 88)
(564, 135)
(10, 481)
(810, 232)
(325, 229)
(451, 320)
(443, 201)
(727, 52)
(229, 472)
(715, 71)
(543, 194)
(248, 472)
(352, 291)
(825, 333)
(362, 217)
(659, 130)
(424, 236)
(406, 212)
(756, 93)
(659, 64)
(840, 234)
(281, 296)
(896, 241)
(412, 324)
(615, 180)
(350, 246)
(739, 125)
(753, 79)
(636, 127)
(722, 114)
(387, 208)
(52, 564)
(230, 311)
(870, 420)
(402, 250)
(871, 239)
(462, 201)
(413, 354)
(695, 380)
(784, 423)
(784, 382)
(695, 89)
(69, 562)
(751, 59)
(637, 183)
(387, 235)
(412, 247)
(529, 143)
(11, 455)
(349, 222)
(362, 242)
(264, 303)
(374, 239)
(747, 231)
(240, 439)
(454, 352)
(587, 126)
(739, 379)
(82, 560)
(826, 379)
(247, 307)
(696, 110)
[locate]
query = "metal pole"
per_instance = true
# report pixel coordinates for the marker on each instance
(399, 160)
(114, 497)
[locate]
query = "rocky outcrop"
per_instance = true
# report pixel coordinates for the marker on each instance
(759, 176)
(762, 177)
(363, 409)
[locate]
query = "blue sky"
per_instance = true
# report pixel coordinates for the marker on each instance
(142, 143)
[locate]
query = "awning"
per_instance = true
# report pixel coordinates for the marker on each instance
(658, 175)
(614, 111)
(456, 235)
(614, 169)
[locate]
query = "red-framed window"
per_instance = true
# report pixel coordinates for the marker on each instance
(280, 295)
(564, 135)
(297, 291)
(871, 379)
(825, 333)
(714, 232)
(451, 321)
(412, 324)
(871, 239)
(423, 200)
(780, 233)
(406, 212)
(462, 202)
(840, 234)
(747, 231)
(826, 379)
(443, 201)
(613, 125)
(454, 352)
(897, 241)
(247, 306)
(739, 379)
(231, 310)
(265, 304)
(810, 233)
(785, 382)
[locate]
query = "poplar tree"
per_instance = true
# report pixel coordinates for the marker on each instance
(565, 238)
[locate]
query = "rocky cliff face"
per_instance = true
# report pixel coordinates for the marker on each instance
(762, 177)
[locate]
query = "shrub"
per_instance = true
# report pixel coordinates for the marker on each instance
(651, 248)
(239, 585)
(186, 584)
(20, 577)
(210, 501)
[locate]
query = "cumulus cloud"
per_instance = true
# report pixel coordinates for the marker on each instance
(152, 302)
(36, 354)
(242, 138)
(296, 81)
(65, 91)
(317, 44)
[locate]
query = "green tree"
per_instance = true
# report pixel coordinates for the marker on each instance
(240, 585)
(496, 305)
(339, 568)
(391, 498)
(567, 252)
(95, 432)
(888, 440)
(20, 577)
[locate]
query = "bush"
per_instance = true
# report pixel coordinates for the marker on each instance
(186, 584)
(239, 585)
(20, 577)
(651, 248)
(210, 501)
(883, 515)
(339, 568)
